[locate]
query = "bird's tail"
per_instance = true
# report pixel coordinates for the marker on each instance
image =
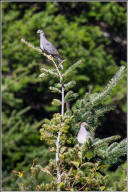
(59, 61)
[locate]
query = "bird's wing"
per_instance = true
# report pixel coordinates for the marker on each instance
(49, 47)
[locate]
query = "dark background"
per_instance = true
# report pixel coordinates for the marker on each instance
(94, 32)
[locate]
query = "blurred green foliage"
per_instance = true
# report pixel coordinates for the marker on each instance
(118, 180)
(94, 32)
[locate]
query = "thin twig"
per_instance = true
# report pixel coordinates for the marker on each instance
(62, 109)
(57, 162)
(57, 69)
(32, 46)
(58, 139)
(59, 132)
(83, 186)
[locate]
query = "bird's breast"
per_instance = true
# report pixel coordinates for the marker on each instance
(41, 46)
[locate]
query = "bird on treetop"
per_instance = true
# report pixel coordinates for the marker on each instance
(48, 48)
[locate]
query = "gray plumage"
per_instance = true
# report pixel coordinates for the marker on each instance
(83, 134)
(48, 48)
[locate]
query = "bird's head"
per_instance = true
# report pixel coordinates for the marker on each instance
(40, 31)
(84, 124)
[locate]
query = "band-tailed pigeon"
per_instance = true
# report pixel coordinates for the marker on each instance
(83, 134)
(48, 48)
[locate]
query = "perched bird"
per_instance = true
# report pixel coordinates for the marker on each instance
(48, 48)
(83, 134)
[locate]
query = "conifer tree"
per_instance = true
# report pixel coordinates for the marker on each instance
(77, 167)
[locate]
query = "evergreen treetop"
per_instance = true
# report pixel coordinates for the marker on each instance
(78, 167)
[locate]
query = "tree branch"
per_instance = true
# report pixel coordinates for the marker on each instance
(62, 109)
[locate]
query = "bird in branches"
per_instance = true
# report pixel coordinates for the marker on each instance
(83, 134)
